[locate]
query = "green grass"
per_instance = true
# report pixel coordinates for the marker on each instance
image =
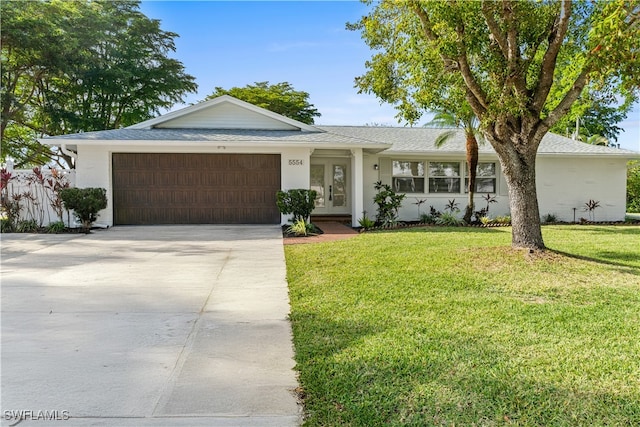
(442, 326)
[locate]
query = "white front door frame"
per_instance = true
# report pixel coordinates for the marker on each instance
(354, 161)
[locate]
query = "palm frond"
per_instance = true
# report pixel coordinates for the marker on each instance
(444, 137)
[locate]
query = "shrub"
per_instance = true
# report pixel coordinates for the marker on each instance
(298, 202)
(366, 222)
(449, 219)
(27, 226)
(56, 227)
(6, 225)
(452, 206)
(427, 219)
(504, 220)
(389, 203)
(550, 218)
(85, 203)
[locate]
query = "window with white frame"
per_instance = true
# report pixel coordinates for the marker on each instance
(408, 176)
(444, 177)
(485, 178)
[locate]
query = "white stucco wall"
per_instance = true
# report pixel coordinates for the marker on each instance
(409, 210)
(563, 183)
(567, 183)
(93, 169)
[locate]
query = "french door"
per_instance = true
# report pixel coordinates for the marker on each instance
(330, 179)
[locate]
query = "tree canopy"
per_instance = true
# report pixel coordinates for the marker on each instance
(81, 66)
(280, 98)
(520, 66)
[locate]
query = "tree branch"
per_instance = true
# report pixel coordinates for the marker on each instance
(494, 27)
(427, 27)
(556, 37)
(570, 97)
(467, 75)
(461, 61)
(512, 42)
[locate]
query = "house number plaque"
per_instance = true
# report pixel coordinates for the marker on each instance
(295, 162)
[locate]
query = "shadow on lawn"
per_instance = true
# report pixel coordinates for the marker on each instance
(622, 229)
(611, 258)
(443, 229)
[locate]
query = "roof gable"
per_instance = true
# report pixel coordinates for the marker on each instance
(224, 112)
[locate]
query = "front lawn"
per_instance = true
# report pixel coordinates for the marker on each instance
(442, 326)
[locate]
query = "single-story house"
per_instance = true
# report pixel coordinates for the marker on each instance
(221, 162)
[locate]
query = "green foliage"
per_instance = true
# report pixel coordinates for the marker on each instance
(85, 203)
(597, 111)
(449, 219)
(301, 228)
(465, 118)
(504, 220)
(27, 226)
(519, 68)
(280, 98)
(366, 222)
(633, 187)
(56, 227)
(298, 202)
(550, 218)
(389, 203)
(81, 66)
(427, 219)
(6, 225)
(452, 206)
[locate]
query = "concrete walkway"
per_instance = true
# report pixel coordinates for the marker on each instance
(148, 326)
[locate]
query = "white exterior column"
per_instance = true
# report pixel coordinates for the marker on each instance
(357, 188)
(295, 172)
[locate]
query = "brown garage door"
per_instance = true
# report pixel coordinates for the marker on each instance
(153, 188)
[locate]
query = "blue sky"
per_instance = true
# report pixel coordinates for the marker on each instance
(305, 43)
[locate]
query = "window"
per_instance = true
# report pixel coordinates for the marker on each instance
(485, 178)
(408, 177)
(444, 177)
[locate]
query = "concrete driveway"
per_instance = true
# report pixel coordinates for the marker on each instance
(147, 326)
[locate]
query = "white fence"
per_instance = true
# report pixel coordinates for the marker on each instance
(32, 194)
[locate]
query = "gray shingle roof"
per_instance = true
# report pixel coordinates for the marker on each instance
(217, 135)
(398, 140)
(419, 140)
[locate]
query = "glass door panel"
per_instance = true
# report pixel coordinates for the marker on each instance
(339, 186)
(318, 184)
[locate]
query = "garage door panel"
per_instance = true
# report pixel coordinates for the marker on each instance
(160, 188)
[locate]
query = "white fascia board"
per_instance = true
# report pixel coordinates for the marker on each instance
(179, 143)
(625, 155)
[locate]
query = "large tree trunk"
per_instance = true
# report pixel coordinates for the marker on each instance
(519, 169)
